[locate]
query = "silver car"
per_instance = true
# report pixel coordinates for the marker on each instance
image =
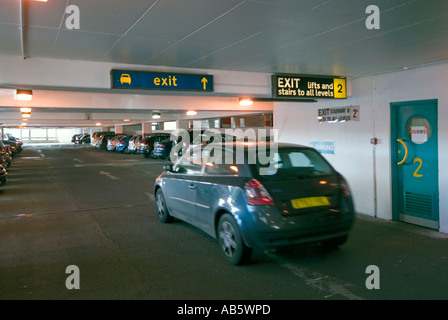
(246, 197)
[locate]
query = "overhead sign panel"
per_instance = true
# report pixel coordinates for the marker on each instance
(126, 79)
(298, 86)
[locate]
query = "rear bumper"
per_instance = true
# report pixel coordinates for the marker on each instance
(297, 229)
(272, 240)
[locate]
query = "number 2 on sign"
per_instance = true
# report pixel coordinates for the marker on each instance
(420, 165)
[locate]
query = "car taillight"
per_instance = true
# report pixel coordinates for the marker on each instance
(344, 186)
(256, 194)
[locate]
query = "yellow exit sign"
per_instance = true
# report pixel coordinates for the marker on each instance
(298, 86)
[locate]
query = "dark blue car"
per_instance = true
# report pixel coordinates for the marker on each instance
(162, 149)
(246, 199)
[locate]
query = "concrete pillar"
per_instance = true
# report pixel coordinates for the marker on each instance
(118, 128)
(146, 128)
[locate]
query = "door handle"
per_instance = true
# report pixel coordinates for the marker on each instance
(192, 187)
(405, 152)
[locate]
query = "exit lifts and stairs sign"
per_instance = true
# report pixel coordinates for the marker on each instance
(303, 86)
(126, 79)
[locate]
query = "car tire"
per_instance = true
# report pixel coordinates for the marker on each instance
(231, 242)
(161, 208)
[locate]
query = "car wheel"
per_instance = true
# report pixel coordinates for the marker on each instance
(231, 242)
(161, 208)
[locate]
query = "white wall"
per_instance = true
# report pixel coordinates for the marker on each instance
(297, 123)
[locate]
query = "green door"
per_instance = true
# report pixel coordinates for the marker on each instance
(415, 173)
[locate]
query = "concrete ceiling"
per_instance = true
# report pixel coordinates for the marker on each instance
(320, 37)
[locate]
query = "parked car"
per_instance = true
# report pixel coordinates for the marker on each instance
(134, 143)
(12, 147)
(293, 197)
(3, 175)
(112, 142)
(5, 154)
(122, 143)
(162, 149)
(13, 141)
(179, 141)
(76, 137)
(84, 139)
(3, 161)
(99, 139)
(147, 144)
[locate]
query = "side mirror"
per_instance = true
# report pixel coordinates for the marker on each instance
(168, 167)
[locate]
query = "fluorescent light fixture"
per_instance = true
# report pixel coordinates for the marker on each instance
(156, 115)
(246, 102)
(23, 95)
(191, 113)
(27, 110)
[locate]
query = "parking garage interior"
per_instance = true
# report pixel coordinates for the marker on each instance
(385, 132)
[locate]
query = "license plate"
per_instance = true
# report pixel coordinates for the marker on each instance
(302, 203)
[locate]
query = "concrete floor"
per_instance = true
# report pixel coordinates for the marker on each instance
(75, 206)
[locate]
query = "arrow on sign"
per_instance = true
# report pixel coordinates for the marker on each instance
(204, 82)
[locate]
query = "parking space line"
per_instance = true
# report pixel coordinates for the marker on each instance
(109, 175)
(329, 286)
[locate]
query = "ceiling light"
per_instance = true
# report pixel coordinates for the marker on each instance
(156, 115)
(28, 110)
(126, 120)
(23, 95)
(191, 113)
(26, 114)
(98, 124)
(246, 102)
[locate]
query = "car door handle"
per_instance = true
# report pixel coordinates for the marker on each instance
(192, 187)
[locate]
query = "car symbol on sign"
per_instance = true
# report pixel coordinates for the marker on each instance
(125, 78)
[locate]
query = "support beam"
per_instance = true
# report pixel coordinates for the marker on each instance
(22, 31)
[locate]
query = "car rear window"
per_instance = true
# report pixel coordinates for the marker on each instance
(292, 163)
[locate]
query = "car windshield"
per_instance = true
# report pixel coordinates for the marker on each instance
(292, 163)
